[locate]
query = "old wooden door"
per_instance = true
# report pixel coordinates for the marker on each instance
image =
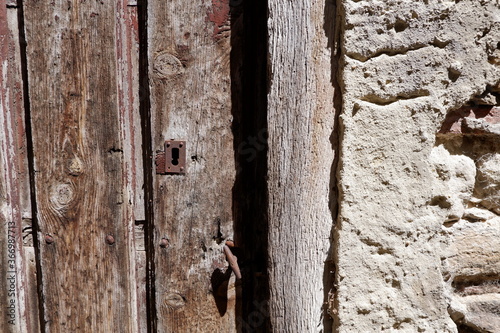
(139, 139)
(93, 238)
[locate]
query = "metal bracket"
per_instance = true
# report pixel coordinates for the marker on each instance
(173, 159)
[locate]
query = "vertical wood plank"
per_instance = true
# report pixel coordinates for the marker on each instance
(80, 65)
(301, 168)
(189, 70)
(18, 292)
(127, 71)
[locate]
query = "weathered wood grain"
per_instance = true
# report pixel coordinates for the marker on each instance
(301, 152)
(189, 70)
(18, 294)
(127, 71)
(82, 94)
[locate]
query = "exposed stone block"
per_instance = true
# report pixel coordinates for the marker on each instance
(456, 121)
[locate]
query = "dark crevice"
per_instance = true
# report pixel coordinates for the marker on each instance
(249, 83)
(374, 99)
(31, 161)
(440, 44)
(388, 52)
(476, 285)
(147, 150)
(218, 237)
(333, 27)
(115, 150)
(463, 328)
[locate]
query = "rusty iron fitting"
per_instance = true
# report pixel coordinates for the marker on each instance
(233, 262)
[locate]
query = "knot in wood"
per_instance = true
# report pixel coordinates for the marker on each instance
(166, 66)
(75, 166)
(174, 301)
(61, 195)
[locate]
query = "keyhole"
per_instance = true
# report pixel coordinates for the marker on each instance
(175, 156)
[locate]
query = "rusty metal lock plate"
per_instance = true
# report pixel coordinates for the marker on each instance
(173, 159)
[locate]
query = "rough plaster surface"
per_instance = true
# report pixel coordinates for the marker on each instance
(407, 203)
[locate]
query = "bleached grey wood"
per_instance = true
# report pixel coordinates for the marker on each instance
(300, 161)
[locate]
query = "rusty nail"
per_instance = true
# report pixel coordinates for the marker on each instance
(230, 243)
(164, 243)
(233, 262)
(110, 239)
(49, 239)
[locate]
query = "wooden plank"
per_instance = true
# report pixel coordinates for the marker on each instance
(127, 71)
(83, 139)
(301, 163)
(18, 291)
(127, 57)
(189, 71)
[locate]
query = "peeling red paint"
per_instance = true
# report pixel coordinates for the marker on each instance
(15, 171)
(219, 16)
(127, 47)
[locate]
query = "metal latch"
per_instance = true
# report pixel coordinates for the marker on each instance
(173, 159)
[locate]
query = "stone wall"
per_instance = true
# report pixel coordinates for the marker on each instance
(467, 164)
(418, 234)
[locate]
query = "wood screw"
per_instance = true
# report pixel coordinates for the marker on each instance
(110, 239)
(164, 243)
(49, 239)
